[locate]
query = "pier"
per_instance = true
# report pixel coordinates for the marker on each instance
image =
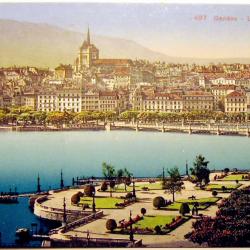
(212, 129)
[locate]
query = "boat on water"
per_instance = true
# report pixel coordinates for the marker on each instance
(8, 199)
(23, 233)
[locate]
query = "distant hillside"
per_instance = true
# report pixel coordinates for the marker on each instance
(23, 43)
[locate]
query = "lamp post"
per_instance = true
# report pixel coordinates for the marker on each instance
(64, 212)
(131, 234)
(93, 204)
(38, 190)
(133, 181)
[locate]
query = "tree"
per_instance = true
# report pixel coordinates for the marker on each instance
(214, 193)
(108, 171)
(3, 118)
(111, 225)
(184, 209)
(226, 170)
(126, 178)
(89, 190)
(82, 117)
(111, 186)
(76, 198)
(158, 202)
(173, 184)
(143, 211)
(200, 169)
(119, 175)
(40, 117)
(55, 118)
(104, 186)
(157, 229)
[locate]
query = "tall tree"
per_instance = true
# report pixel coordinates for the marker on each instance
(173, 184)
(200, 169)
(108, 171)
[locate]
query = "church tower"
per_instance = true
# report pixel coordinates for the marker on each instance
(87, 54)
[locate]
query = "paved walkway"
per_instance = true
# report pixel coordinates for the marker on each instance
(98, 228)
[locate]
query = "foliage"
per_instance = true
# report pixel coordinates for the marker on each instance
(184, 208)
(111, 225)
(112, 184)
(108, 171)
(214, 193)
(104, 186)
(200, 169)
(143, 211)
(89, 190)
(76, 198)
(157, 229)
(173, 183)
(129, 195)
(230, 227)
(158, 202)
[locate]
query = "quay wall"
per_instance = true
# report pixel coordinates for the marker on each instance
(55, 214)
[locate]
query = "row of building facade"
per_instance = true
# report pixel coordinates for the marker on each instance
(141, 99)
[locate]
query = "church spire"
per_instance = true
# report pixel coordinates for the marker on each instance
(88, 36)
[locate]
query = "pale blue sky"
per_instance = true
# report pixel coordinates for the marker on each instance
(170, 29)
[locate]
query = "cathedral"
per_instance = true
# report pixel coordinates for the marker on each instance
(87, 54)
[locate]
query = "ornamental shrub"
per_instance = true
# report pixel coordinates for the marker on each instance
(111, 225)
(89, 190)
(184, 209)
(214, 193)
(159, 202)
(143, 211)
(104, 186)
(157, 229)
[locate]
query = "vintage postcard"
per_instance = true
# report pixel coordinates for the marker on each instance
(124, 124)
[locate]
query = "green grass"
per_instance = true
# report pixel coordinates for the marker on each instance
(152, 221)
(203, 203)
(177, 205)
(219, 186)
(101, 202)
(138, 187)
(234, 177)
(201, 200)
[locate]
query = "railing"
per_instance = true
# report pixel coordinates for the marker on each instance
(77, 223)
(95, 242)
(83, 221)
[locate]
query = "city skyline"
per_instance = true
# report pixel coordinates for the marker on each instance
(168, 28)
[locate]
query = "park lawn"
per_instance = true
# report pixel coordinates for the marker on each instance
(219, 186)
(177, 205)
(150, 186)
(138, 187)
(151, 221)
(201, 200)
(234, 177)
(203, 203)
(101, 202)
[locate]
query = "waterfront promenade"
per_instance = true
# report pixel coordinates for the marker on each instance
(97, 228)
(212, 129)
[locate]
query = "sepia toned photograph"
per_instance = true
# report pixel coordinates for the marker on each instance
(124, 125)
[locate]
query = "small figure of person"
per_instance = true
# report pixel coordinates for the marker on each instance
(193, 210)
(196, 210)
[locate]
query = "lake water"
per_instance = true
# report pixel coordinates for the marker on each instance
(25, 154)
(81, 153)
(18, 216)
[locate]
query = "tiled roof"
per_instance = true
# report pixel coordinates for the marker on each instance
(236, 94)
(114, 62)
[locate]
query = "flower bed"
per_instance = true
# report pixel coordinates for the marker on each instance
(222, 188)
(148, 225)
(230, 227)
